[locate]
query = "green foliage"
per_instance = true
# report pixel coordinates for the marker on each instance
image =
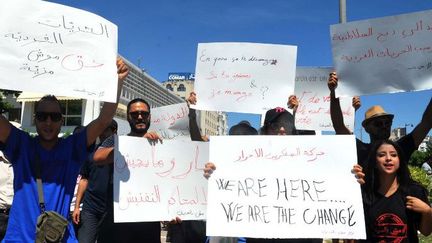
(66, 134)
(418, 158)
(419, 175)
(4, 105)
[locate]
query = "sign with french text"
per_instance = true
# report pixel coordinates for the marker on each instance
(313, 95)
(244, 77)
(171, 121)
(55, 49)
(159, 181)
(285, 186)
(383, 55)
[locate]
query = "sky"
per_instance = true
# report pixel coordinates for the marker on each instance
(162, 36)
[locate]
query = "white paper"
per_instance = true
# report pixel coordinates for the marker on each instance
(383, 55)
(281, 184)
(54, 49)
(171, 121)
(159, 182)
(313, 95)
(244, 77)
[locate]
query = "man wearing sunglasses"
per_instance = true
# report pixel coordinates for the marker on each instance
(377, 124)
(57, 159)
(138, 116)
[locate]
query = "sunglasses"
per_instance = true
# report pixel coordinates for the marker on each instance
(135, 114)
(43, 116)
(382, 122)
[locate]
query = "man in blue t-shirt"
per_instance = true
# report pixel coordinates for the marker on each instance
(59, 161)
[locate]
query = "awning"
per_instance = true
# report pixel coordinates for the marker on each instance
(33, 97)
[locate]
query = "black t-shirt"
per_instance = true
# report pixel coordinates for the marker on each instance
(388, 219)
(406, 143)
(99, 189)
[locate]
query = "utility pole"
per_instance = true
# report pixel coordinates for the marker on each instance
(342, 11)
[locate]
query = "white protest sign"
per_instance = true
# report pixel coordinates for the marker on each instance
(313, 95)
(383, 55)
(51, 48)
(159, 182)
(244, 77)
(284, 187)
(171, 121)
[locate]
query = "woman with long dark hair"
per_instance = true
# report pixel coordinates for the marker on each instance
(396, 206)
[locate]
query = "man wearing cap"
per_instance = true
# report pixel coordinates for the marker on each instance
(377, 124)
(95, 192)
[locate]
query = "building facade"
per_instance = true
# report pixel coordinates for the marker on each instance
(210, 122)
(77, 111)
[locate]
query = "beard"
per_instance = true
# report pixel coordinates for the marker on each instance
(134, 129)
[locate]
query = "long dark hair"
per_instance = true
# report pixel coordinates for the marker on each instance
(372, 182)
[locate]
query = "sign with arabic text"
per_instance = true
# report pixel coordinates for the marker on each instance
(54, 49)
(285, 186)
(313, 95)
(383, 55)
(159, 181)
(244, 77)
(171, 121)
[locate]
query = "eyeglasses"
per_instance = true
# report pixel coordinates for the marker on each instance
(135, 114)
(43, 116)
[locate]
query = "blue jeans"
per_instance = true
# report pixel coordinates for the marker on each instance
(90, 225)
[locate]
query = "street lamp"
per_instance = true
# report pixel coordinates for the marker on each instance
(407, 125)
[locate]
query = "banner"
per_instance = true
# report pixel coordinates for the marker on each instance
(383, 55)
(313, 95)
(157, 182)
(285, 186)
(244, 77)
(54, 49)
(171, 121)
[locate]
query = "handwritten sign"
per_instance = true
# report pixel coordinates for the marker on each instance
(51, 48)
(285, 186)
(244, 77)
(312, 92)
(159, 182)
(171, 121)
(383, 55)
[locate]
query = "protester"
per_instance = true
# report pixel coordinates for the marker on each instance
(6, 193)
(57, 159)
(396, 207)
(377, 124)
(138, 116)
(191, 230)
(95, 192)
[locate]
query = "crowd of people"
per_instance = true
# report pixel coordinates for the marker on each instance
(389, 192)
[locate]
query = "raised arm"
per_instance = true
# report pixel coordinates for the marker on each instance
(96, 127)
(5, 129)
(335, 108)
(194, 131)
(425, 125)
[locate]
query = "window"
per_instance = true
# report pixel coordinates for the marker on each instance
(168, 86)
(72, 112)
(181, 87)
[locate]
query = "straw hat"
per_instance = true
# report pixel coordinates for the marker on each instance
(374, 112)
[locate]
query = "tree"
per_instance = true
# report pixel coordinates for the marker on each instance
(418, 158)
(4, 105)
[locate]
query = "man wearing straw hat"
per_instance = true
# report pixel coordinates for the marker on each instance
(377, 124)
